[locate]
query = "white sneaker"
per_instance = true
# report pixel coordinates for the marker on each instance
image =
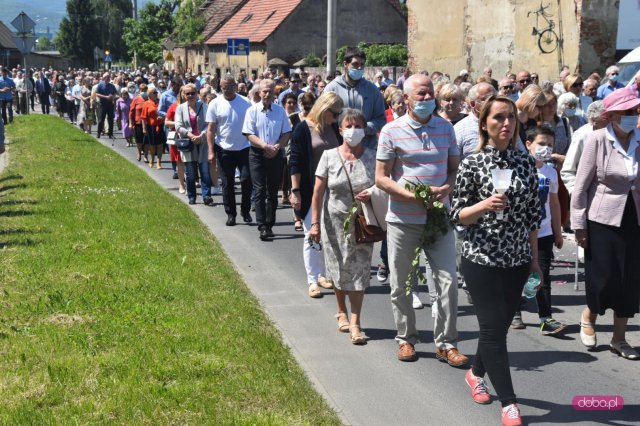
(216, 190)
(417, 303)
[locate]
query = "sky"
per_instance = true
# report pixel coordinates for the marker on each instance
(44, 12)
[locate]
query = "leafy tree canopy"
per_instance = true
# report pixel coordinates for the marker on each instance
(190, 22)
(44, 43)
(146, 35)
(387, 55)
(77, 36)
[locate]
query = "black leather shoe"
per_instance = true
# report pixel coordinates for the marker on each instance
(264, 234)
(270, 233)
(247, 218)
(231, 220)
(192, 200)
(175, 175)
(208, 201)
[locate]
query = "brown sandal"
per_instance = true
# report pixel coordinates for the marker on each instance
(297, 225)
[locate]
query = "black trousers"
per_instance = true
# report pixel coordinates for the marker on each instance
(228, 161)
(106, 110)
(44, 103)
(266, 175)
(7, 108)
(545, 256)
(496, 297)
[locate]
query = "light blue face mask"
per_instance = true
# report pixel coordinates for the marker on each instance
(570, 112)
(423, 109)
(613, 77)
(355, 74)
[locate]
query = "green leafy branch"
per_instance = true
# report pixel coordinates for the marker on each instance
(436, 226)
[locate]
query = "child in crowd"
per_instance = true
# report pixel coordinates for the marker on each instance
(540, 142)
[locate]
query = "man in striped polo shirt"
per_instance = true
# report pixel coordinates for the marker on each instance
(420, 147)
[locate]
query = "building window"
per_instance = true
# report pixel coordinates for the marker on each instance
(247, 18)
(270, 15)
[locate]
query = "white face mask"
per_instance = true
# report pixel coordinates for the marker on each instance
(543, 153)
(353, 136)
(628, 123)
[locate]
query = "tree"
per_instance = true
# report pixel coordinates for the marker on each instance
(110, 15)
(380, 55)
(77, 36)
(189, 22)
(313, 60)
(145, 36)
(44, 43)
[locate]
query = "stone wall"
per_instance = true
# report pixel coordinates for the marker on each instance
(473, 34)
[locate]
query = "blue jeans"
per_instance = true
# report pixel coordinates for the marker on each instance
(205, 178)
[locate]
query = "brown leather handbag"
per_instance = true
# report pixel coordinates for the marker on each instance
(363, 232)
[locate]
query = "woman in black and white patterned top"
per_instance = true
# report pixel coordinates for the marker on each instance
(497, 254)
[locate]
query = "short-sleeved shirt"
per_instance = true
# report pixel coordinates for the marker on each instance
(150, 113)
(606, 89)
(6, 82)
(267, 124)
(467, 135)
(106, 89)
(421, 155)
(229, 118)
(547, 184)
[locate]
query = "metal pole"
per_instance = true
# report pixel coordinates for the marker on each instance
(135, 16)
(331, 36)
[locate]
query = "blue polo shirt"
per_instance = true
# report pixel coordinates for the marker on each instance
(606, 89)
(106, 89)
(6, 82)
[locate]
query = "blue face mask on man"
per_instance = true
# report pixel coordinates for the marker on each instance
(423, 109)
(356, 74)
(613, 77)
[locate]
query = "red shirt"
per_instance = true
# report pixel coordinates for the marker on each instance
(135, 109)
(150, 114)
(171, 113)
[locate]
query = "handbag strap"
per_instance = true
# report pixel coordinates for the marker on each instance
(344, 166)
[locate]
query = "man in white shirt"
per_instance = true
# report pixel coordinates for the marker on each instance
(225, 116)
(267, 127)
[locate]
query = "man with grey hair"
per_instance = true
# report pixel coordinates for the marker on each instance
(467, 131)
(267, 127)
(225, 116)
(596, 120)
(488, 72)
(558, 87)
(420, 147)
(611, 85)
(589, 88)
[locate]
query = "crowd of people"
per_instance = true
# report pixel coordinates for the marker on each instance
(339, 146)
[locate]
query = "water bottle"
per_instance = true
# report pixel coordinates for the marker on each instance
(530, 287)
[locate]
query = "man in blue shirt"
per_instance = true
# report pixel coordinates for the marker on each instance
(168, 98)
(106, 93)
(611, 85)
(7, 86)
(294, 87)
(267, 127)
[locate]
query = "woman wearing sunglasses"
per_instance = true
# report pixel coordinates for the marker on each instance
(314, 135)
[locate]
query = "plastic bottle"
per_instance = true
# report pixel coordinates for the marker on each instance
(530, 287)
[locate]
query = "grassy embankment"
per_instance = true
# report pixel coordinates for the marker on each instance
(118, 307)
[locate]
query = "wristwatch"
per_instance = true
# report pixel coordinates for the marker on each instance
(295, 190)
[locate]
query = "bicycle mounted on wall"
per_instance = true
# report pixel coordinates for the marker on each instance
(547, 37)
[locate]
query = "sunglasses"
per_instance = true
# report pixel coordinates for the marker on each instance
(189, 93)
(527, 80)
(296, 81)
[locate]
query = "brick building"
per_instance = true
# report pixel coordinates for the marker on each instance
(511, 35)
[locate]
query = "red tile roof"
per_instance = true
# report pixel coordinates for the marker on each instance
(217, 13)
(256, 20)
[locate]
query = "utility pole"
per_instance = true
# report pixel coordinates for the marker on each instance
(332, 14)
(135, 16)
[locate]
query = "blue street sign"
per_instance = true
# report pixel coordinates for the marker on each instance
(107, 58)
(238, 46)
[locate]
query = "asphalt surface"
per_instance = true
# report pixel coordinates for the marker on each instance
(367, 385)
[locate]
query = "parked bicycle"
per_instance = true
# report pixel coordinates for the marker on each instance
(547, 37)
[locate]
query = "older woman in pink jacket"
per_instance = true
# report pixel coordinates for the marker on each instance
(605, 213)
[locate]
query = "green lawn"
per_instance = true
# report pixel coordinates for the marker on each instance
(118, 307)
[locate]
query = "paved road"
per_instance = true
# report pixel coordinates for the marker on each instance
(368, 386)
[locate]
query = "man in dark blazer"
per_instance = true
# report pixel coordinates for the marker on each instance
(43, 89)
